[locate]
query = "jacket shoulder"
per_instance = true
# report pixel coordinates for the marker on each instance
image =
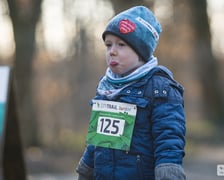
(161, 86)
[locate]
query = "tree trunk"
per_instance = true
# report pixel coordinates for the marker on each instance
(24, 15)
(120, 5)
(207, 65)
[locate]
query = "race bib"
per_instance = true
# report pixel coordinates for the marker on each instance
(111, 124)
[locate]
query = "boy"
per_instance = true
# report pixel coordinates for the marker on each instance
(137, 126)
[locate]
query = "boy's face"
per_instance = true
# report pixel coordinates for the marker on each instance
(120, 57)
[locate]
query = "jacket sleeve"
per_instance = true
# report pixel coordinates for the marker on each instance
(86, 164)
(168, 121)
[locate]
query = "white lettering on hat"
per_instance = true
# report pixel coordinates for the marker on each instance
(149, 27)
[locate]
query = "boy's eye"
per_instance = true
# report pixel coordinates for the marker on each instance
(121, 44)
(108, 44)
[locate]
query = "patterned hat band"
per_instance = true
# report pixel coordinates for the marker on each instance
(149, 27)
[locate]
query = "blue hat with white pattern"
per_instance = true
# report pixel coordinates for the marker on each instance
(138, 27)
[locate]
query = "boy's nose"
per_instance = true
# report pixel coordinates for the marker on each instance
(113, 51)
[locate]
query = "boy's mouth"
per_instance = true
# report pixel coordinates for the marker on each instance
(113, 63)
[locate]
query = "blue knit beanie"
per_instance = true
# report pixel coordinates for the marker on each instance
(138, 27)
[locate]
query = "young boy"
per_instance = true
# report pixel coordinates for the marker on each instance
(137, 124)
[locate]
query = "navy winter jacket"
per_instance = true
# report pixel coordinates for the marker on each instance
(158, 135)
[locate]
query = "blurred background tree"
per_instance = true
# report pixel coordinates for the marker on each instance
(56, 50)
(208, 67)
(24, 16)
